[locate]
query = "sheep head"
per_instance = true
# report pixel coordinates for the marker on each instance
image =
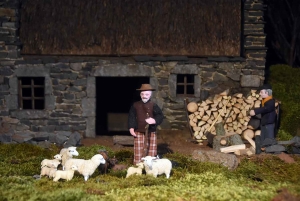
(72, 151)
(140, 165)
(148, 161)
(98, 159)
(57, 157)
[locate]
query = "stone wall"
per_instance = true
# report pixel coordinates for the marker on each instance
(70, 81)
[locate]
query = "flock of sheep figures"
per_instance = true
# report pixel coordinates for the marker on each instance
(152, 165)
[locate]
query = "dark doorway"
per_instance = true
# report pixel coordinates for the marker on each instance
(114, 96)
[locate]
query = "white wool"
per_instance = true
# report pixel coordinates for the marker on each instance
(66, 154)
(57, 157)
(52, 173)
(50, 163)
(86, 167)
(135, 170)
(155, 166)
(65, 174)
(45, 171)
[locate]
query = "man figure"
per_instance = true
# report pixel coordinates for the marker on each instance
(144, 116)
(268, 116)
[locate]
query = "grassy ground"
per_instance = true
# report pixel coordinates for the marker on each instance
(255, 179)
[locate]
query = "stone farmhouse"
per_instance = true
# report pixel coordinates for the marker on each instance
(52, 87)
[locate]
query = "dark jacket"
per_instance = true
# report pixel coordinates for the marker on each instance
(139, 124)
(268, 113)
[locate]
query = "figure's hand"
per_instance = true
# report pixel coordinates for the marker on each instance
(252, 113)
(131, 130)
(150, 120)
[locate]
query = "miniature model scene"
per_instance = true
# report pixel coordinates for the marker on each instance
(167, 100)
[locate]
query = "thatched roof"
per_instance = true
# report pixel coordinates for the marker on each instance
(131, 27)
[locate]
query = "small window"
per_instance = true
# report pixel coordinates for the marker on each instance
(185, 85)
(32, 93)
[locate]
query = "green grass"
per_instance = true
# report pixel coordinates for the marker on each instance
(257, 178)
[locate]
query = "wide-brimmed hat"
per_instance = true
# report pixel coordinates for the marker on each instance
(146, 87)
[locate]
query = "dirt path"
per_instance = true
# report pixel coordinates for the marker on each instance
(169, 141)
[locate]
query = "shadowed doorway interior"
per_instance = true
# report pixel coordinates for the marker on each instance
(114, 96)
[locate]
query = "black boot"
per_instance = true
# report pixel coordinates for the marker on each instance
(257, 144)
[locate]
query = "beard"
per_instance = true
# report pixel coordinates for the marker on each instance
(145, 100)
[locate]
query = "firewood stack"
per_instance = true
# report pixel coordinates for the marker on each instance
(232, 110)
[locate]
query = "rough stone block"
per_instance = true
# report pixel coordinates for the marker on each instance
(5, 138)
(32, 71)
(90, 127)
(5, 71)
(69, 96)
(234, 74)
(52, 137)
(89, 107)
(9, 24)
(228, 160)
(49, 102)
(76, 66)
(11, 102)
(121, 70)
(20, 138)
(60, 139)
(41, 136)
(13, 85)
(186, 69)
(47, 128)
(3, 54)
(62, 128)
(250, 81)
(30, 114)
(74, 140)
(64, 133)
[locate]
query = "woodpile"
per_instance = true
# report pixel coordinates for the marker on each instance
(233, 112)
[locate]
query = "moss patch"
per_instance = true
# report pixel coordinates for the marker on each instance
(190, 179)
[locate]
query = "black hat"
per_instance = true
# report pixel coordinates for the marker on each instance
(266, 86)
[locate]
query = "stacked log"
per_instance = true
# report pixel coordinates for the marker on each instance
(233, 111)
(223, 139)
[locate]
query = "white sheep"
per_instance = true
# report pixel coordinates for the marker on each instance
(50, 163)
(135, 170)
(45, 171)
(86, 167)
(155, 166)
(65, 174)
(66, 154)
(52, 173)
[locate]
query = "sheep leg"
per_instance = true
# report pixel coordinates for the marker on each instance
(167, 174)
(86, 178)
